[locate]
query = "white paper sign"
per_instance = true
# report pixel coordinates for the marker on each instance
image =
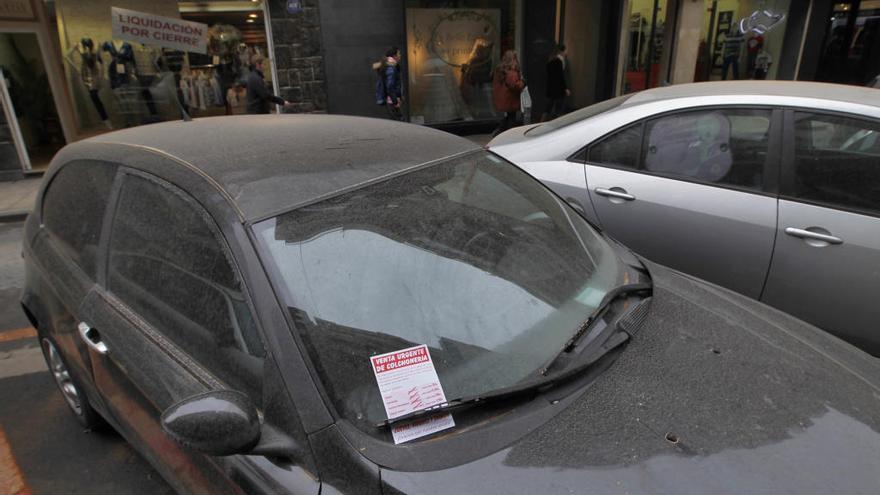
(408, 382)
(157, 30)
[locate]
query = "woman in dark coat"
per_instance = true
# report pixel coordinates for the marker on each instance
(507, 84)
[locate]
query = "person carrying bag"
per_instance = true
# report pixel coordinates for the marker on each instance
(507, 85)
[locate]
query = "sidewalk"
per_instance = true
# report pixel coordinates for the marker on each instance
(17, 198)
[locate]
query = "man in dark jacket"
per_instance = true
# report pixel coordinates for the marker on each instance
(258, 96)
(557, 88)
(389, 73)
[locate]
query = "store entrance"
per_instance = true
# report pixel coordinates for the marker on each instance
(214, 83)
(31, 132)
(851, 52)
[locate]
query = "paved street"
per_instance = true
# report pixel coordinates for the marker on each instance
(43, 450)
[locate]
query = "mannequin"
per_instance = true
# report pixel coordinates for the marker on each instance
(90, 70)
(121, 71)
(147, 70)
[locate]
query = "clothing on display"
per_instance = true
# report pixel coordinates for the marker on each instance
(201, 89)
(90, 71)
(121, 69)
(762, 64)
(236, 100)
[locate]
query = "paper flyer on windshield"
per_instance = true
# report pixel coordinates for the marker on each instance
(408, 382)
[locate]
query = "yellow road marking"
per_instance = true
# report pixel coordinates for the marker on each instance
(11, 479)
(17, 334)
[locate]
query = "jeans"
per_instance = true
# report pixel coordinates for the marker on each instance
(728, 61)
(93, 93)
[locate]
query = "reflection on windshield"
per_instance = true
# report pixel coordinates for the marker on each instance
(385, 275)
(471, 257)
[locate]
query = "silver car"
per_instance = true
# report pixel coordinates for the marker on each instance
(768, 188)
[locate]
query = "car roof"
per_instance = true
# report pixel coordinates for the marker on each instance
(802, 89)
(267, 164)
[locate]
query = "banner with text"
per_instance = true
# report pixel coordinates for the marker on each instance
(157, 30)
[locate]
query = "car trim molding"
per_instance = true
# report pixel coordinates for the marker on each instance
(189, 166)
(206, 378)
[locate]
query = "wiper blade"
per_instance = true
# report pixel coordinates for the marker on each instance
(570, 344)
(542, 383)
(465, 402)
(621, 290)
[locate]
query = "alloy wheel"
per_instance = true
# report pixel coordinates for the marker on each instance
(62, 377)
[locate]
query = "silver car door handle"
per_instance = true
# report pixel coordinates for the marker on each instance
(806, 234)
(91, 337)
(601, 191)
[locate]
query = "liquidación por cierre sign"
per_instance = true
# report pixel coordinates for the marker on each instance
(149, 29)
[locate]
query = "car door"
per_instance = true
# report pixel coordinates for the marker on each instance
(694, 190)
(171, 319)
(826, 265)
(65, 254)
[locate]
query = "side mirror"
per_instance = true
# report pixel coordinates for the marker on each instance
(222, 422)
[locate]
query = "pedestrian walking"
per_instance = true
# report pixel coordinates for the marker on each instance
(258, 96)
(557, 87)
(389, 90)
(507, 84)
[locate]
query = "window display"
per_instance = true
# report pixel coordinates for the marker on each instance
(741, 39)
(118, 79)
(451, 56)
(647, 25)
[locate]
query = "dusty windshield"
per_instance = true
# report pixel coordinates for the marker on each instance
(470, 257)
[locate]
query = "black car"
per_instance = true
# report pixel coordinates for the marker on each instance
(227, 293)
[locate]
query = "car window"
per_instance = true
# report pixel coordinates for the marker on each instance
(471, 257)
(837, 161)
(621, 149)
(74, 207)
(719, 146)
(168, 262)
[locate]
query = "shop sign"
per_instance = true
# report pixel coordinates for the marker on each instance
(156, 30)
(20, 10)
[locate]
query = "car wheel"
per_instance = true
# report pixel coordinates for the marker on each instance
(72, 393)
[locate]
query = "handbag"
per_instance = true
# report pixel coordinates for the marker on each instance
(525, 105)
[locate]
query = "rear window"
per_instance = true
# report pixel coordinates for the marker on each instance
(577, 116)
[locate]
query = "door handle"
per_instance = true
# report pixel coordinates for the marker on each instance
(91, 337)
(614, 192)
(813, 236)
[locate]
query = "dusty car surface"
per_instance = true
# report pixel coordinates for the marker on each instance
(768, 188)
(228, 294)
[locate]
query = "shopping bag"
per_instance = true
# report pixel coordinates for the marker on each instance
(525, 105)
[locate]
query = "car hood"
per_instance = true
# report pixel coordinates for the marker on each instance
(716, 394)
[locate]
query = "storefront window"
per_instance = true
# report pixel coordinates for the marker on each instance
(36, 130)
(851, 52)
(646, 41)
(451, 55)
(117, 83)
(741, 39)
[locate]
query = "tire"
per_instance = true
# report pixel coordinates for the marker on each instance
(69, 387)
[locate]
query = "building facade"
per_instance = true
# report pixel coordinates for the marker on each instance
(67, 76)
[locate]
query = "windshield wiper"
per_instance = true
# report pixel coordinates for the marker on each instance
(541, 383)
(570, 344)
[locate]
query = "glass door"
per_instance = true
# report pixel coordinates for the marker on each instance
(28, 102)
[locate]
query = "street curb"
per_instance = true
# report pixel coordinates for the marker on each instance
(13, 216)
